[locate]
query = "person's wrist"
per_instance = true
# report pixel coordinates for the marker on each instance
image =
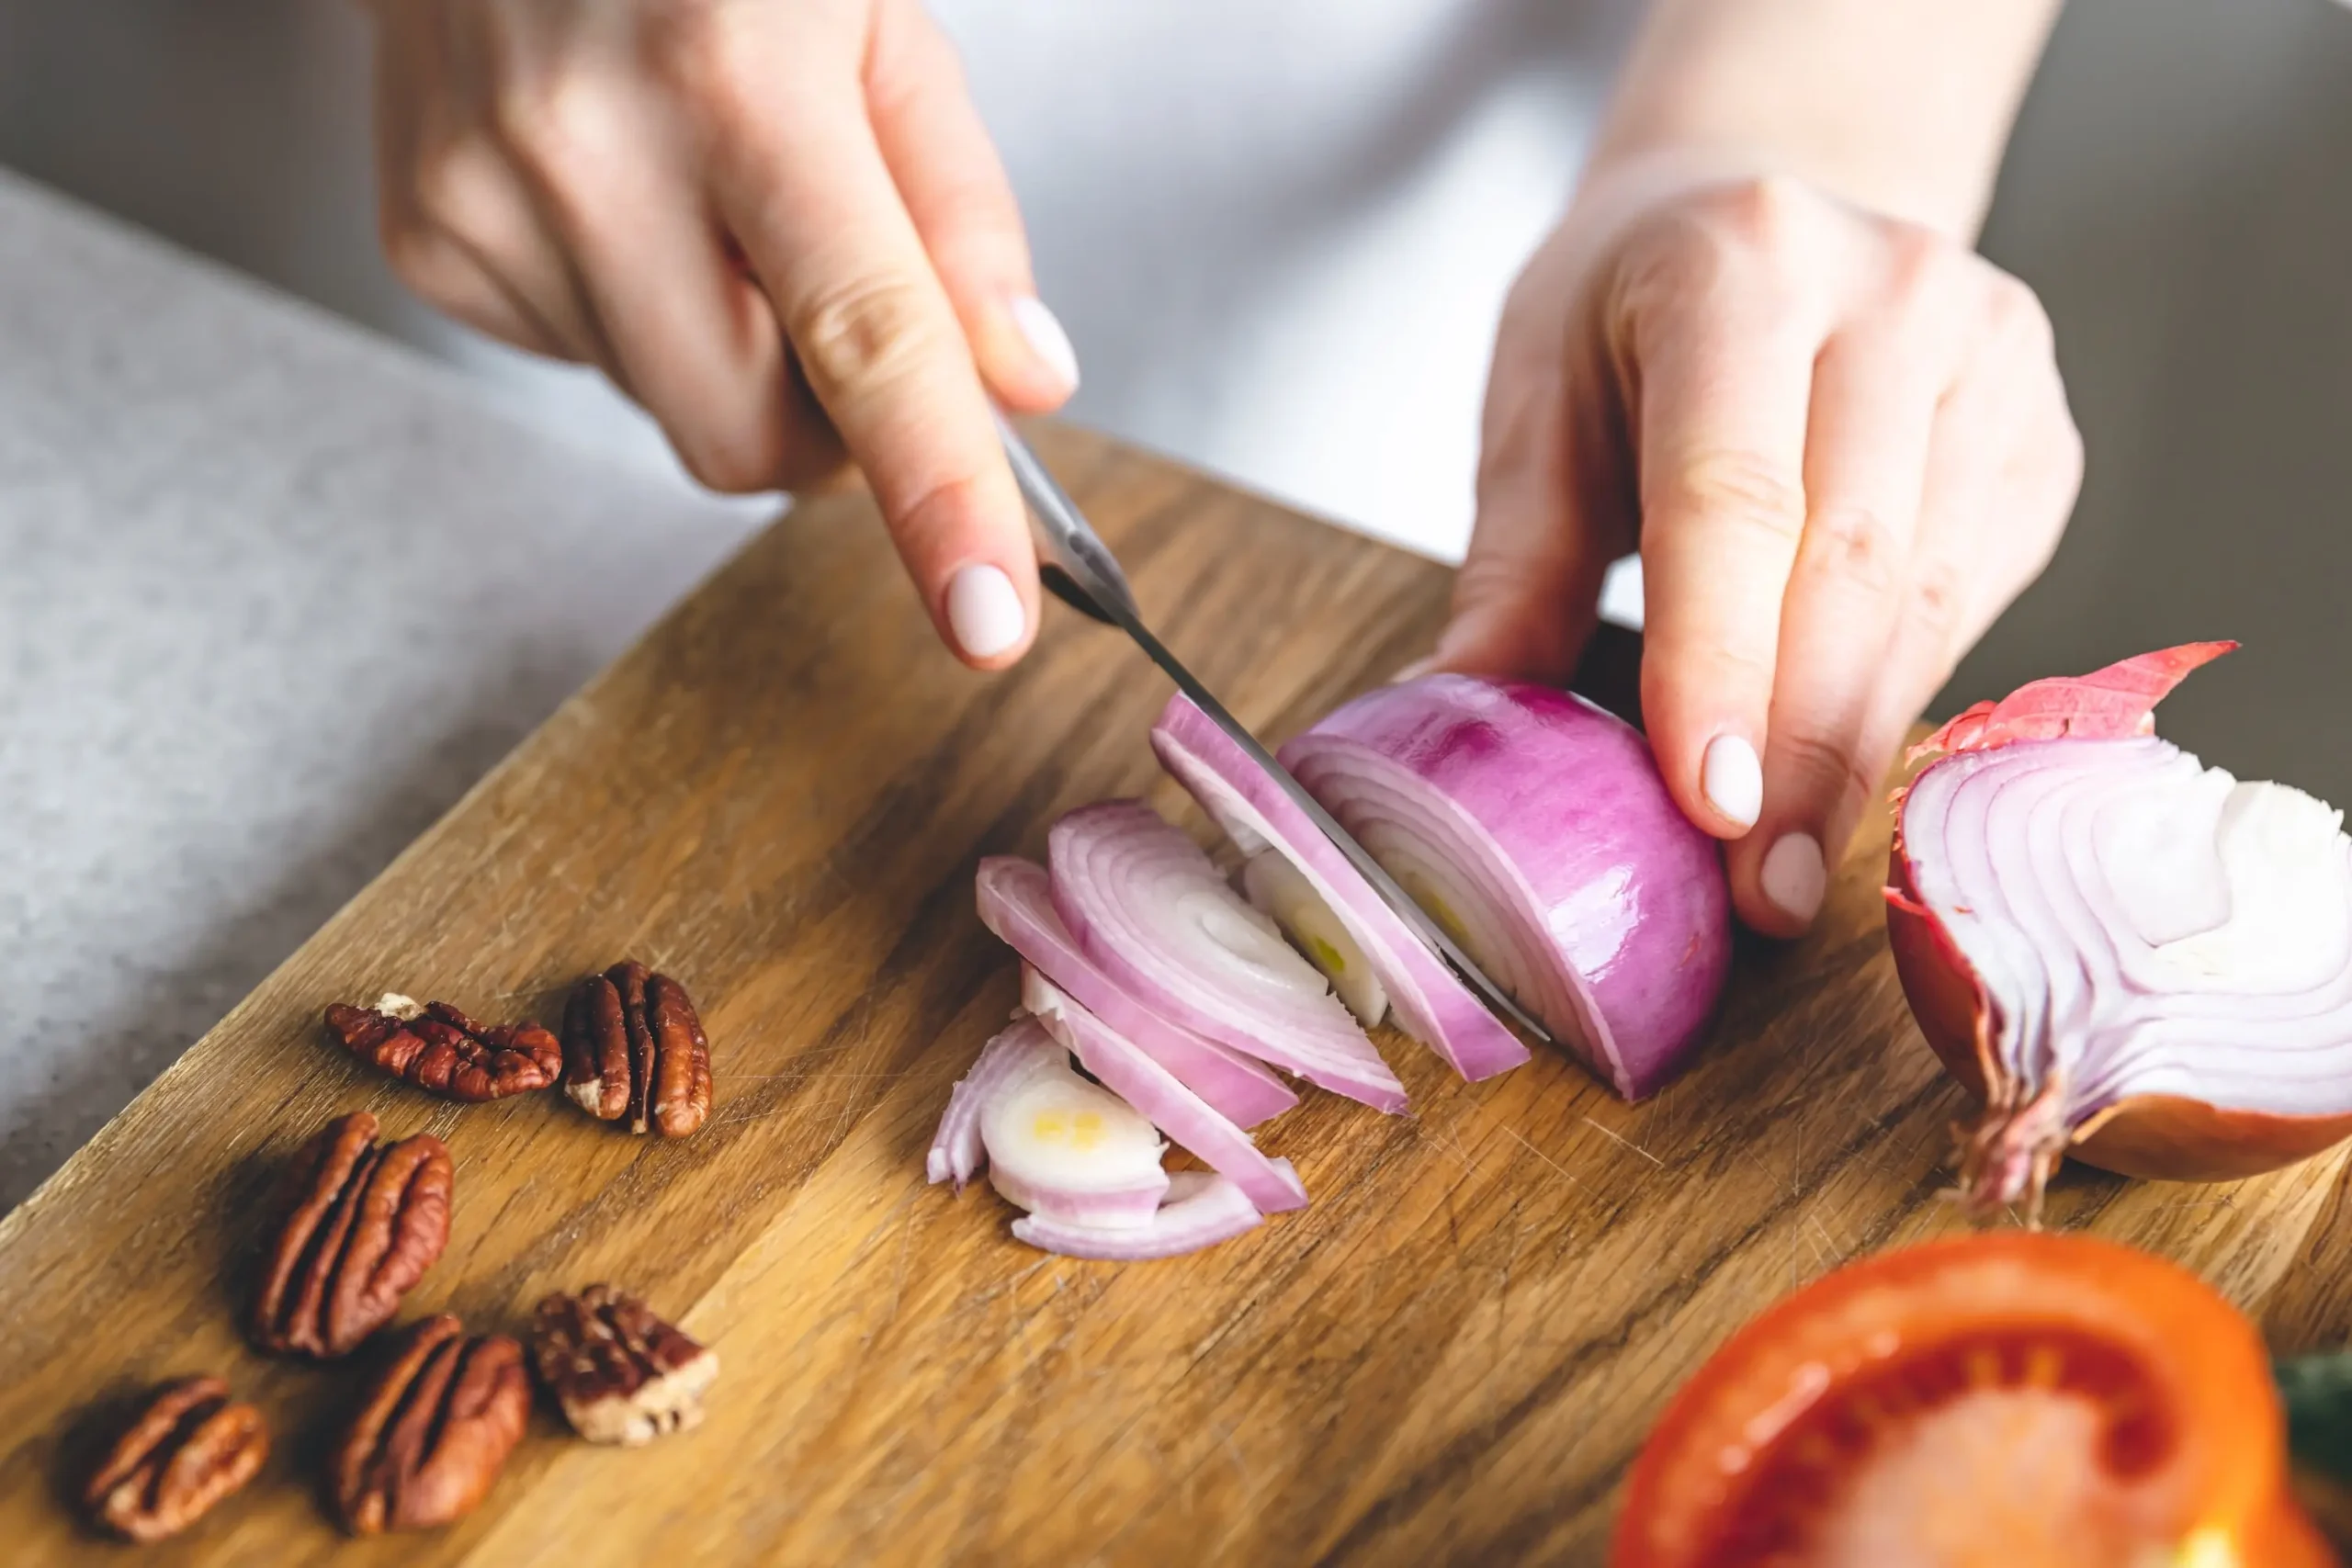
(1626, 179)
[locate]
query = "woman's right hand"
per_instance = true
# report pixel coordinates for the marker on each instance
(777, 224)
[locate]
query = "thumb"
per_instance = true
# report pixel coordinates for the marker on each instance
(955, 189)
(1527, 597)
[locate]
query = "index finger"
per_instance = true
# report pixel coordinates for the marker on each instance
(809, 196)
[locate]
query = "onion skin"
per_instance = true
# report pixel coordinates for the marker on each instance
(2158, 1137)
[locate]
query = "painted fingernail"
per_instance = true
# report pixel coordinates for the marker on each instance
(1732, 779)
(1418, 668)
(1042, 332)
(1794, 876)
(984, 610)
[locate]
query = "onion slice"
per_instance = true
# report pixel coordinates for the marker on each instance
(1130, 1073)
(1146, 905)
(1201, 1210)
(2126, 954)
(1432, 1005)
(1536, 830)
(1016, 902)
(957, 1152)
(1072, 1151)
(1272, 883)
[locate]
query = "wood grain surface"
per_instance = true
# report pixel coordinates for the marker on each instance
(779, 797)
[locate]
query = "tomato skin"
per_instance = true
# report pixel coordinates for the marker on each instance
(2193, 1365)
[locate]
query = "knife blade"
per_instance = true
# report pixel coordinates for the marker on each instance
(1080, 570)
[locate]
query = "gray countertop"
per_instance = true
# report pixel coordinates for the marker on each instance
(273, 593)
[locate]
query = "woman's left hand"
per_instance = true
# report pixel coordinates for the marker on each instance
(1842, 446)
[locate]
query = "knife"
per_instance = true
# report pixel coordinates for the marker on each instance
(1081, 571)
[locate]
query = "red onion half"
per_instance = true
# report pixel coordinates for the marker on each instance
(1128, 1071)
(2127, 956)
(1536, 829)
(1148, 907)
(1434, 1006)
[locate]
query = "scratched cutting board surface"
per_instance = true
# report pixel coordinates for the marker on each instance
(779, 797)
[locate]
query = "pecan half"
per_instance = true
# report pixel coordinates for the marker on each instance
(441, 1050)
(633, 1046)
(621, 1375)
(433, 1431)
(362, 1225)
(190, 1448)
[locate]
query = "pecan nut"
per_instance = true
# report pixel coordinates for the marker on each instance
(433, 1431)
(621, 1375)
(633, 1047)
(362, 1225)
(191, 1446)
(441, 1050)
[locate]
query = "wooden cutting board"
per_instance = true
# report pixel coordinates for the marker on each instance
(778, 797)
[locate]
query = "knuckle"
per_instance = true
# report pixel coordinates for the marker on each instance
(1938, 600)
(1739, 489)
(1826, 764)
(1855, 545)
(732, 462)
(2017, 315)
(1768, 212)
(863, 334)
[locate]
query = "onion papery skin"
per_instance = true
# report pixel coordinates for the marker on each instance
(1431, 1005)
(1016, 902)
(1149, 909)
(2068, 1103)
(1537, 828)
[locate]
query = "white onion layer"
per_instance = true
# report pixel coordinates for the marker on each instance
(1016, 902)
(1072, 1151)
(2142, 924)
(1282, 890)
(1130, 1073)
(957, 1152)
(1148, 907)
(1201, 1210)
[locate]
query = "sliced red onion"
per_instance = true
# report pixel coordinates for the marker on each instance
(1432, 1005)
(1535, 827)
(1272, 883)
(1070, 1150)
(957, 1152)
(1017, 903)
(1130, 1073)
(1146, 905)
(1201, 1210)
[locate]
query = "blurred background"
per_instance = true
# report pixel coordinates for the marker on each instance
(2179, 191)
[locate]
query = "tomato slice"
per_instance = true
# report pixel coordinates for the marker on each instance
(2013, 1399)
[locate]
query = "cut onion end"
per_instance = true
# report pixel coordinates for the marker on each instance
(1147, 907)
(2126, 955)
(1016, 902)
(1061, 1146)
(1129, 1071)
(1282, 890)
(1201, 1210)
